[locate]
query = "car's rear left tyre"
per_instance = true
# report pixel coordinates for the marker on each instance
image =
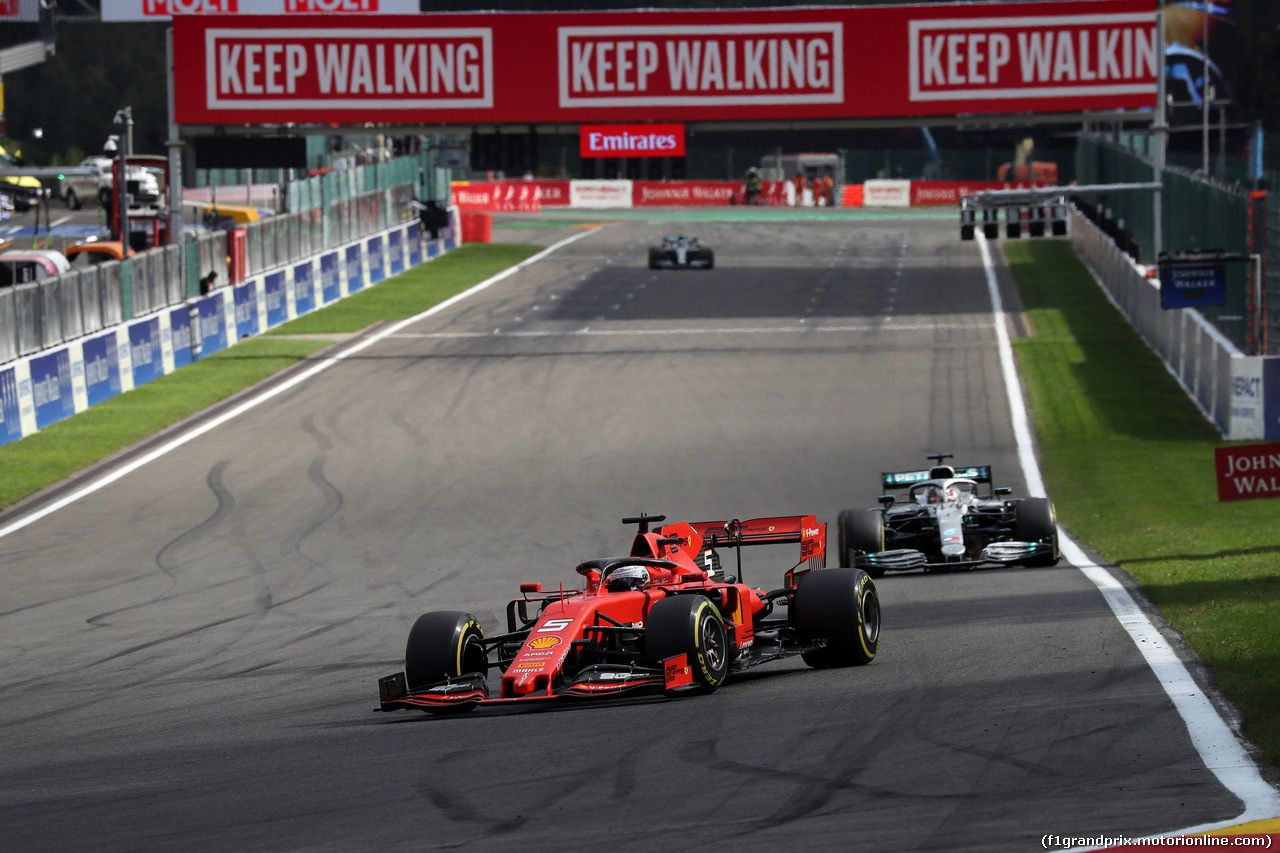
(860, 531)
(841, 607)
(1035, 521)
(444, 644)
(73, 201)
(689, 625)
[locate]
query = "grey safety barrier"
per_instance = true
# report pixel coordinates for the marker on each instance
(1238, 393)
(54, 383)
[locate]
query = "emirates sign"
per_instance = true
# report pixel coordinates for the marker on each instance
(631, 140)
(350, 62)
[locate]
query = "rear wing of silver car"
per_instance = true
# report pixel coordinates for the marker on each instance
(906, 479)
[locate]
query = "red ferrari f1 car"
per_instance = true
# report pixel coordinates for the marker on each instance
(666, 617)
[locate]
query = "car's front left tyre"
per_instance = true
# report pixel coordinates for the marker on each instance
(689, 625)
(444, 644)
(1035, 521)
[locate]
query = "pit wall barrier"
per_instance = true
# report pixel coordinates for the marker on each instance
(48, 386)
(1238, 393)
(531, 196)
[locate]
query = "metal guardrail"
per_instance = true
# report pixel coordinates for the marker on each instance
(1195, 352)
(55, 310)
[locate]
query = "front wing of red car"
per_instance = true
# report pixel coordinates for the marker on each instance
(469, 691)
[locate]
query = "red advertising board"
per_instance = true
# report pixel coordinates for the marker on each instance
(631, 140)
(520, 196)
(666, 66)
(1248, 471)
(926, 193)
(685, 193)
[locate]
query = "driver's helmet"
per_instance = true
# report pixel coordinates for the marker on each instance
(953, 494)
(626, 578)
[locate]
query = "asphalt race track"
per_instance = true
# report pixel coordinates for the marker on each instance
(191, 653)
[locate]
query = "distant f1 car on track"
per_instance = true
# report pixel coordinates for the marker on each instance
(665, 617)
(681, 251)
(945, 524)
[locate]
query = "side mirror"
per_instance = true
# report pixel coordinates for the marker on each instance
(886, 500)
(1003, 491)
(526, 588)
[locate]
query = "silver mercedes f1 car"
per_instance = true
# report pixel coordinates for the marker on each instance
(947, 522)
(681, 252)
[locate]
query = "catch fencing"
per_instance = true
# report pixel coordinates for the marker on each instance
(331, 210)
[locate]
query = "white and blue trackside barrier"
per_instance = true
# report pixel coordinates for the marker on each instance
(46, 387)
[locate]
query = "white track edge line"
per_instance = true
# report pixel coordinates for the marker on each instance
(196, 432)
(1211, 736)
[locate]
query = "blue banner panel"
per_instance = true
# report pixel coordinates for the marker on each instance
(180, 332)
(330, 278)
(213, 332)
(102, 368)
(51, 388)
(1193, 285)
(246, 297)
(394, 249)
(377, 271)
(433, 248)
(1271, 396)
(277, 303)
(355, 273)
(10, 420)
(415, 244)
(304, 291)
(145, 352)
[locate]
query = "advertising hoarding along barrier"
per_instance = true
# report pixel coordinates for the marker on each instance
(833, 62)
(509, 196)
(927, 193)
(528, 196)
(886, 193)
(1248, 471)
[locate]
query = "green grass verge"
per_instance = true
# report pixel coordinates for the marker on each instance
(1128, 460)
(413, 291)
(59, 450)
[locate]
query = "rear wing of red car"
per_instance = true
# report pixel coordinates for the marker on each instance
(781, 530)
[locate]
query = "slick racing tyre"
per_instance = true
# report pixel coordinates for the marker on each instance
(444, 644)
(1034, 521)
(706, 256)
(655, 258)
(689, 625)
(840, 606)
(860, 531)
